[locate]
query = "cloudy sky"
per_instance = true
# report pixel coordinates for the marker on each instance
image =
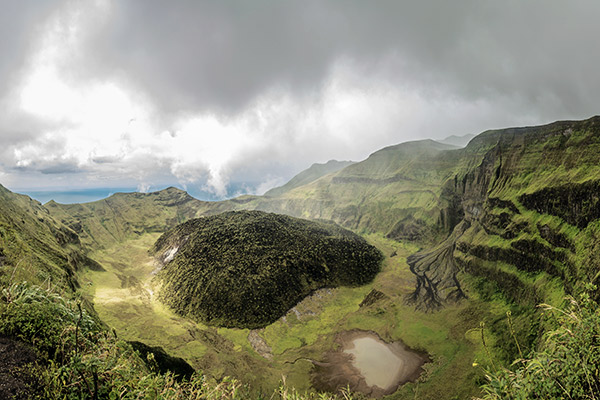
(213, 94)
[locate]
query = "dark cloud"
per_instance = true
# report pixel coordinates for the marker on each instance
(61, 168)
(20, 22)
(221, 55)
(48, 167)
(107, 159)
(198, 54)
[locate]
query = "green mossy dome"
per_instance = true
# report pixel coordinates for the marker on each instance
(248, 268)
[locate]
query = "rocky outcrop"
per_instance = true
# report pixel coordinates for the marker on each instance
(436, 270)
(259, 344)
(373, 297)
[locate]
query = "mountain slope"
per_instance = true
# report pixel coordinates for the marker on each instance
(309, 175)
(397, 185)
(34, 246)
(126, 215)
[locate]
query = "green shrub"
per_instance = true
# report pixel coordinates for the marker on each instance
(44, 319)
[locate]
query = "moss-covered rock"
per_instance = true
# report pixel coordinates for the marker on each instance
(248, 268)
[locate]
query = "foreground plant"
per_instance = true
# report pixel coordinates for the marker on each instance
(567, 364)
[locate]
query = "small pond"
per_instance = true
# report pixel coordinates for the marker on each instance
(367, 364)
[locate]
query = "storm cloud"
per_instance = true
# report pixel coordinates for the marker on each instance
(221, 55)
(205, 92)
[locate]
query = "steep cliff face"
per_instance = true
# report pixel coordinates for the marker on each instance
(528, 230)
(531, 198)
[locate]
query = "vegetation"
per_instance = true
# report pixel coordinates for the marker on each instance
(35, 246)
(567, 363)
(82, 360)
(248, 268)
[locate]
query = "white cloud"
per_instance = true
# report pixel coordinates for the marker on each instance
(108, 130)
(143, 187)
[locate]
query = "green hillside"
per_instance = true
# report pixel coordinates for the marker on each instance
(35, 247)
(395, 191)
(248, 268)
(124, 216)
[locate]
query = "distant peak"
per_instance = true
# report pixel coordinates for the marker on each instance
(330, 162)
(416, 145)
(172, 192)
(459, 141)
(309, 175)
(170, 189)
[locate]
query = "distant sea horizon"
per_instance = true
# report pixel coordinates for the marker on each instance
(76, 196)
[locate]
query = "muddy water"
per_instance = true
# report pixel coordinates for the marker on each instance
(375, 361)
(367, 364)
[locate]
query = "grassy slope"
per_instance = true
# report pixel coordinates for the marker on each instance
(34, 246)
(377, 193)
(125, 216)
